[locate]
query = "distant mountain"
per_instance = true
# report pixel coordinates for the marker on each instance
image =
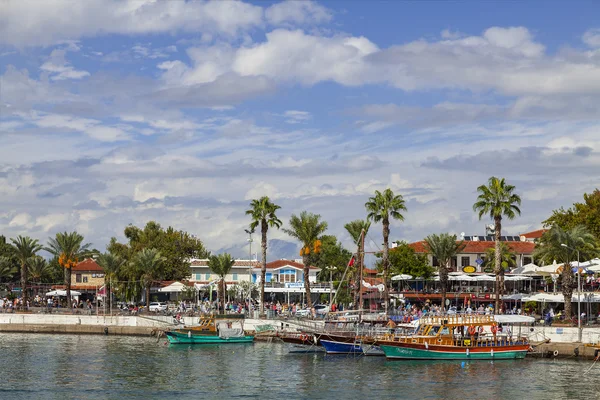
(276, 249)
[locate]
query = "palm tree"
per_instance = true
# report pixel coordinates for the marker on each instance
(111, 265)
(26, 249)
(550, 247)
(38, 269)
(148, 265)
(382, 207)
(357, 230)
(262, 211)
(221, 265)
(497, 199)
(307, 228)
(69, 248)
(7, 269)
(443, 247)
(506, 257)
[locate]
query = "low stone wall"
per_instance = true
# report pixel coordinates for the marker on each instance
(78, 329)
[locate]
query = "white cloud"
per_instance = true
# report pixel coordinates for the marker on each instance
(60, 68)
(592, 37)
(31, 22)
(297, 12)
(296, 116)
(91, 127)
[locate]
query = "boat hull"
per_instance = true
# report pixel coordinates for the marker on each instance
(420, 352)
(179, 338)
(337, 347)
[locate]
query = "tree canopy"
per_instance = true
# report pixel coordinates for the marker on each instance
(404, 260)
(176, 246)
(586, 214)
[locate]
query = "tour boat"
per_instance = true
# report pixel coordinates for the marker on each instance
(218, 329)
(458, 337)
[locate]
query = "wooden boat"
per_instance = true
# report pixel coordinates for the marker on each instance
(456, 337)
(211, 329)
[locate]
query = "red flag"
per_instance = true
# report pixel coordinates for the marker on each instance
(351, 262)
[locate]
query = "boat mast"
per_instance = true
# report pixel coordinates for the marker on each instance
(361, 258)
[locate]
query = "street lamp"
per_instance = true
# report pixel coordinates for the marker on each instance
(578, 293)
(249, 232)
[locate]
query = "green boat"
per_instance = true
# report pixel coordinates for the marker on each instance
(191, 338)
(219, 329)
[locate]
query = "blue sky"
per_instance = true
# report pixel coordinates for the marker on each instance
(122, 112)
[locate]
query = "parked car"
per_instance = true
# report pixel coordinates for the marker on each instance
(322, 309)
(156, 306)
(305, 312)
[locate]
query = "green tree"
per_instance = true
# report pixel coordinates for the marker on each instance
(507, 257)
(497, 199)
(112, 265)
(404, 260)
(262, 212)
(148, 266)
(8, 269)
(586, 214)
(357, 230)
(550, 247)
(26, 249)
(443, 247)
(221, 265)
(70, 249)
(178, 247)
(381, 208)
(38, 269)
(307, 228)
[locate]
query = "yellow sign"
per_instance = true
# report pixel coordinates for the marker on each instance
(469, 269)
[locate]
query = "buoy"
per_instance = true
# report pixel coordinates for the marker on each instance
(555, 353)
(462, 364)
(492, 352)
(189, 334)
(467, 352)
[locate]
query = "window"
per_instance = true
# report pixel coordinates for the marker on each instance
(78, 278)
(287, 275)
(197, 277)
(235, 277)
(527, 260)
(435, 262)
(465, 261)
(207, 277)
(85, 279)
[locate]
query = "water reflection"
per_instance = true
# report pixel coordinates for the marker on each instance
(74, 367)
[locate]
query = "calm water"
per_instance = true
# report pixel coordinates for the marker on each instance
(98, 367)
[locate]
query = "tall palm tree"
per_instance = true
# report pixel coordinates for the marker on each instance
(262, 211)
(7, 269)
(550, 247)
(506, 257)
(70, 249)
(111, 265)
(221, 265)
(148, 265)
(307, 228)
(443, 247)
(381, 208)
(497, 199)
(357, 229)
(26, 249)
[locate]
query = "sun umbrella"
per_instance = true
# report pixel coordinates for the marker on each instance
(401, 277)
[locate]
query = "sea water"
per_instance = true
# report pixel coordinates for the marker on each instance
(39, 366)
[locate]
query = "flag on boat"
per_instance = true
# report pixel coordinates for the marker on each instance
(351, 262)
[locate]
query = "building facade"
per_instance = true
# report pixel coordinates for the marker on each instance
(472, 257)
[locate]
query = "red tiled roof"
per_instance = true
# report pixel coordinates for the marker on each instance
(88, 265)
(534, 234)
(284, 263)
(478, 247)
